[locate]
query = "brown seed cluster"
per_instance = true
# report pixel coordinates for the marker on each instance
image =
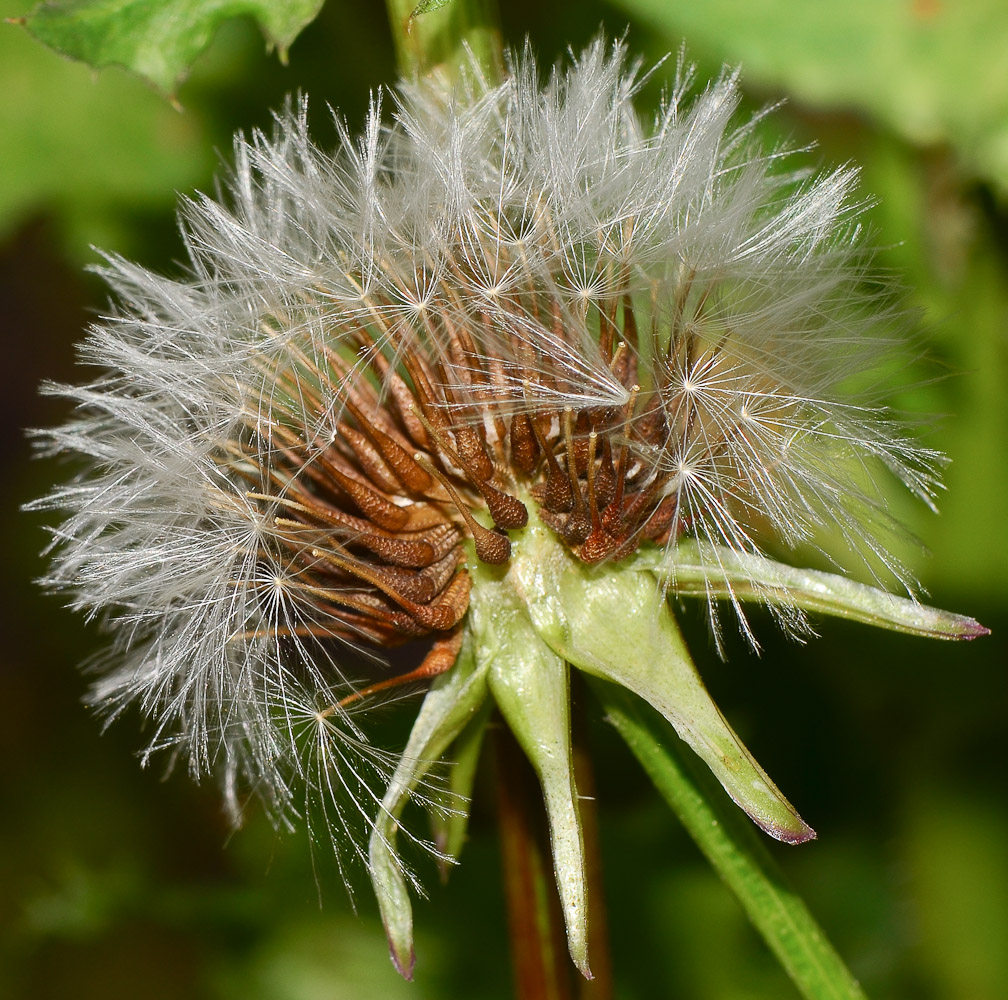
(374, 518)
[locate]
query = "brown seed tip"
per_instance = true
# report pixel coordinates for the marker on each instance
(492, 547)
(507, 511)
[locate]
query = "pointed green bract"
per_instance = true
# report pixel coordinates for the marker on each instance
(531, 686)
(711, 571)
(613, 623)
(532, 689)
(450, 827)
(453, 700)
(545, 609)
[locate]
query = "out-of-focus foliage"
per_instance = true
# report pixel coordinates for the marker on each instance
(102, 155)
(116, 884)
(158, 39)
(90, 149)
(934, 71)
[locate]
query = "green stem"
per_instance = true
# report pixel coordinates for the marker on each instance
(535, 920)
(433, 35)
(733, 847)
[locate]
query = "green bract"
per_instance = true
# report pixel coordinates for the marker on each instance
(545, 610)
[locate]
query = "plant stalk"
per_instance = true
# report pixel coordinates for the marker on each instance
(733, 847)
(437, 36)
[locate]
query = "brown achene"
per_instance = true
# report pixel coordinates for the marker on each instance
(374, 519)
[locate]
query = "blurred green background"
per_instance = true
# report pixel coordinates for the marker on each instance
(116, 883)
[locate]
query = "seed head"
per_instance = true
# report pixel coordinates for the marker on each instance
(513, 312)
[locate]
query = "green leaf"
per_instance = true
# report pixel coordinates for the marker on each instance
(158, 39)
(934, 72)
(714, 571)
(734, 850)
